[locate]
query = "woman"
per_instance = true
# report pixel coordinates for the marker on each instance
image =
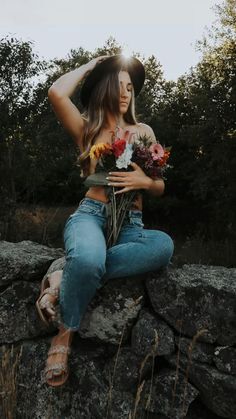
(108, 92)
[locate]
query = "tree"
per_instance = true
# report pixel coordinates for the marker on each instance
(18, 68)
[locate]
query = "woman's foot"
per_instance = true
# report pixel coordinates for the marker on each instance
(49, 295)
(57, 371)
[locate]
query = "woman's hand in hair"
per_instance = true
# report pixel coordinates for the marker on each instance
(91, 64)
(129, 181)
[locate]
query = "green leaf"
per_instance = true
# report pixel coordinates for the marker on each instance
(97, 179)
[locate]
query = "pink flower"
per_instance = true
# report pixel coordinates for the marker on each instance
(157, 151)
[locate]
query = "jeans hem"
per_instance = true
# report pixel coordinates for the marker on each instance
(69, 328)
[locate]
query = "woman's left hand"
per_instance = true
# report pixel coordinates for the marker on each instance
(135, 179)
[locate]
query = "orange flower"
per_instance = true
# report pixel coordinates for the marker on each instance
(97, 150)
(164, 159)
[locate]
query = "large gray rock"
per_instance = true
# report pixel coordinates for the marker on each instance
(197, 297)
(113, 311)
(25, 261)
(85, 395)
(18, 317)
(126, 370)
(217, 389)
(143, 335)
(200, 351)
(168, 395)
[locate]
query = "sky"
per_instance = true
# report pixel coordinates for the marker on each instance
(167, 29)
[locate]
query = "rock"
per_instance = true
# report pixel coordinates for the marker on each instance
(25, 261)
(126, 369)
(225, 359)
(200, 351)
(194, 298)
(168, 397)
(118, 333)
(143, 336)
(217, 389)
(18, 317)
(197, 410)
(112, 312)
(84, 395)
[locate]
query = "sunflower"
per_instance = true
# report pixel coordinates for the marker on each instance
(99, 149)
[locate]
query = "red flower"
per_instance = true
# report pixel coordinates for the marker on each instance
(118, 147)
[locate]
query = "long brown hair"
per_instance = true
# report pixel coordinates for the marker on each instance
(104, 98)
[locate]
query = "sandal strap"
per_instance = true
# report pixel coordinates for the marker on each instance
(57, 366)
(46, 304)
(51, 291)
(59, 349)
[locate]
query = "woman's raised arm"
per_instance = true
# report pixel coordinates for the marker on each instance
(59, 96)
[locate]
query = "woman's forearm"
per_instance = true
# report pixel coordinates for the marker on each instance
(155, 187)
(68, 82)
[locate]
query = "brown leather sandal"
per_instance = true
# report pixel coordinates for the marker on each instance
(57, 373)
(41, 305)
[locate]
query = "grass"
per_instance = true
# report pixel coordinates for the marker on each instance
(8, 381)
(197, 250)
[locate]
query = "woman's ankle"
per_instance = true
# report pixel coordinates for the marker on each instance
(66, 334)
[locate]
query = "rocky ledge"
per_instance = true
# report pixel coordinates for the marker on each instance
(161, 345)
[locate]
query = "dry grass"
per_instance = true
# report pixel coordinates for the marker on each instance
(41, 224)
(152, 353)
(190, 350)
(8, 381)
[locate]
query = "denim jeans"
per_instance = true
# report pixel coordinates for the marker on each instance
(89, 264)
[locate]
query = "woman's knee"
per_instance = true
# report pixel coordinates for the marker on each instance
(167, 246)
(86, 266)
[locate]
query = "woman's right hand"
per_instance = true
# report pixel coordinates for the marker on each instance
(91, 64)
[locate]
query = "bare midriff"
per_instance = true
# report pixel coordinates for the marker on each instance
(98, 193)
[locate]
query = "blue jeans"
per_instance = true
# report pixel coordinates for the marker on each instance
(89, 264)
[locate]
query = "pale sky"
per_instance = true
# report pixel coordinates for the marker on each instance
(167, 29)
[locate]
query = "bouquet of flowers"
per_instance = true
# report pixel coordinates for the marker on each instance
(151, 158)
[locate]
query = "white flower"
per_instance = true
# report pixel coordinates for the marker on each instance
(124, 160)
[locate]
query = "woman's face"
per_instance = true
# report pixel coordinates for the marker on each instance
(126, 87)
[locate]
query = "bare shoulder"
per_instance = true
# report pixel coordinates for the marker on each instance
(145, 129)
